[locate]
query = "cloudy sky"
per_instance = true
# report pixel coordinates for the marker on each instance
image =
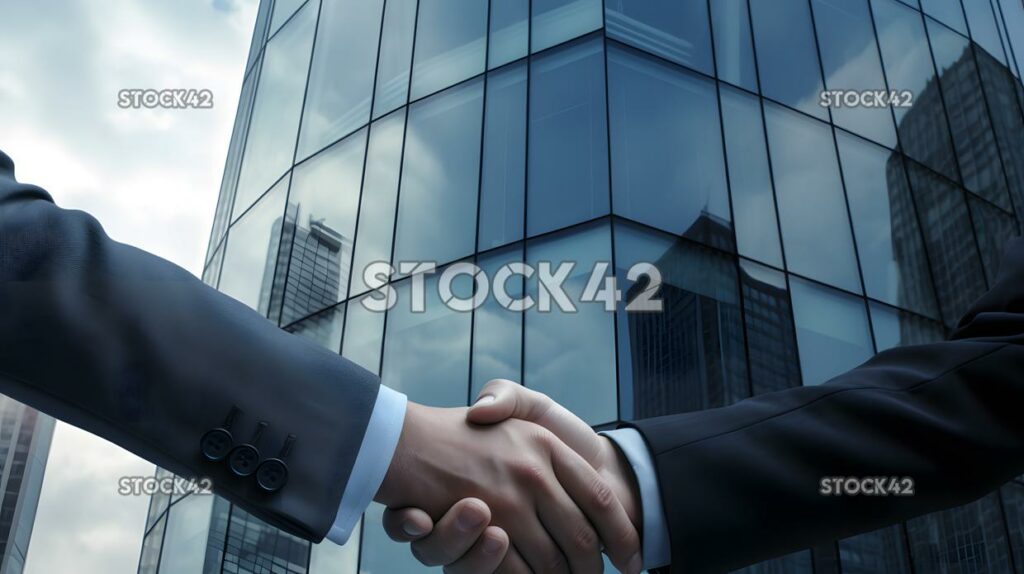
(151, 177)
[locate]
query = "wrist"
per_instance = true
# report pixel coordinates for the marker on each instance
(396, 480)
(620, 476)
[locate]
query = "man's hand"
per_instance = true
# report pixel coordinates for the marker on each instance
(554, 504)
(458, 547)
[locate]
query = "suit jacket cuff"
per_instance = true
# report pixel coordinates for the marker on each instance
(657, 551)
(372, 462)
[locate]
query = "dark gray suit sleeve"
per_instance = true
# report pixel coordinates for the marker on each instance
(136, 350)
(741, 483)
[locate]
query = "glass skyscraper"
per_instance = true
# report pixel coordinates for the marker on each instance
(25, 437)
(792, 240)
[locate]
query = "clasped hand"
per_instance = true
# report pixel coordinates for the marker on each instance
(539, 492)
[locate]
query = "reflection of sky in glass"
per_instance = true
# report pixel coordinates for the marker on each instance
(831, 329)
(364, 336)
(395, 56)
(497, 332)
(451, 44)
(787, 56)
(252, 250)
(555, 21)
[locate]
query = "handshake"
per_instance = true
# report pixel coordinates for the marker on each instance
(514, 484)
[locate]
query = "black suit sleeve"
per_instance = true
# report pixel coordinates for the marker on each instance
(741, 483)
(134, 349)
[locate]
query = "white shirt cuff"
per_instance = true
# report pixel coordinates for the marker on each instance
(372, 462)
(656, 549)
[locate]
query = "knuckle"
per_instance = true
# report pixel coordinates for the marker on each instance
(554, 563)
(603, 496)
(586, 540)
(530, 473)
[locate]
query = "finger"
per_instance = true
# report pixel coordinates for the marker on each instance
(598, 502)
(513, 563)
(511, 400)
(485, 556)
(536, 547)
(571, 530)
(453, 535)
(407, 524)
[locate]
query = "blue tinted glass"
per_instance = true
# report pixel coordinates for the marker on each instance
(251, 255)
(503, 181)
(283, 9)
(325, 199)
(690, 355)
(892, 255)
(850, 57)
(395, 56)
(324, 328)
(667, 166)
(795, 563)
(949, 237)
(555, 21)
(510, 31)
(451, 44)
(753, 202)
(734, 51)
(270, 146)
(771, 336)
(896, 328)
(970, 538)
(787, 56)
(329, 558)
(674, 29)
(211, 275)
(1013, 503)
(1000, 89)
(440, 176)
(973, 140)
(1013, 19)
(379, 553)
(815, 226)
(571, 356)
(831, 329)
(872, 552)
(995, 229)
(188, 526)
(337, 104)
(946, 11)
(364, 336)
(568, 137)
(497, 331)
(426, 354)
(982, 23)
(922, 127)
(380, 193)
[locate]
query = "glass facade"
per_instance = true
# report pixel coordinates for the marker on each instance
(25, 437)
(791, 241)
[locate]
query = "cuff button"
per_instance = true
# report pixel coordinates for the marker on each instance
(272, 475)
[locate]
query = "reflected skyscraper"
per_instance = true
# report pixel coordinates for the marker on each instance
(25, 436)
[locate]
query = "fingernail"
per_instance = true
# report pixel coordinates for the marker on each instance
(484, 400)
(412, 529)
(492, 545)
(635, 564)
(470, 519)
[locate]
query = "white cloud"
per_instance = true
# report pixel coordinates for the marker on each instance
(151, 177)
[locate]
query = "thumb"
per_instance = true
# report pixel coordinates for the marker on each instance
(500, 399)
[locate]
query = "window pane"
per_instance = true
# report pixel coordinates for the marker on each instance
(270, 146)
(440, 176)
(380, 193)
(324, 198)
(555, 21)
(973, 138)
(995, 229)
(753, 201)
(849, 55)
(923, 131)
(251, 255)
(283, 9)
(151, 546)
(450, 44)
(568, 137)
(667, 163)
(503, 191)
(395, 56)
(970, 538)
(771, 337)
(895, 328)
(690, 355)
(380, 554)
(946, 11)
(1013, 503)
(329, 558)
(188, 525)
(787, 56)
(956, 268)
(982, 22)
(211, 275)
(832, 331)
(734, 51)
(892, 254)
(674, 29)
(1000, 93)
(426, 354)
(509, 31)
(324, 328)
(497, 331)
(571, 356)
(259, 33)
(878, 552)
(364, 336)
(815, 226)
(339, 103)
